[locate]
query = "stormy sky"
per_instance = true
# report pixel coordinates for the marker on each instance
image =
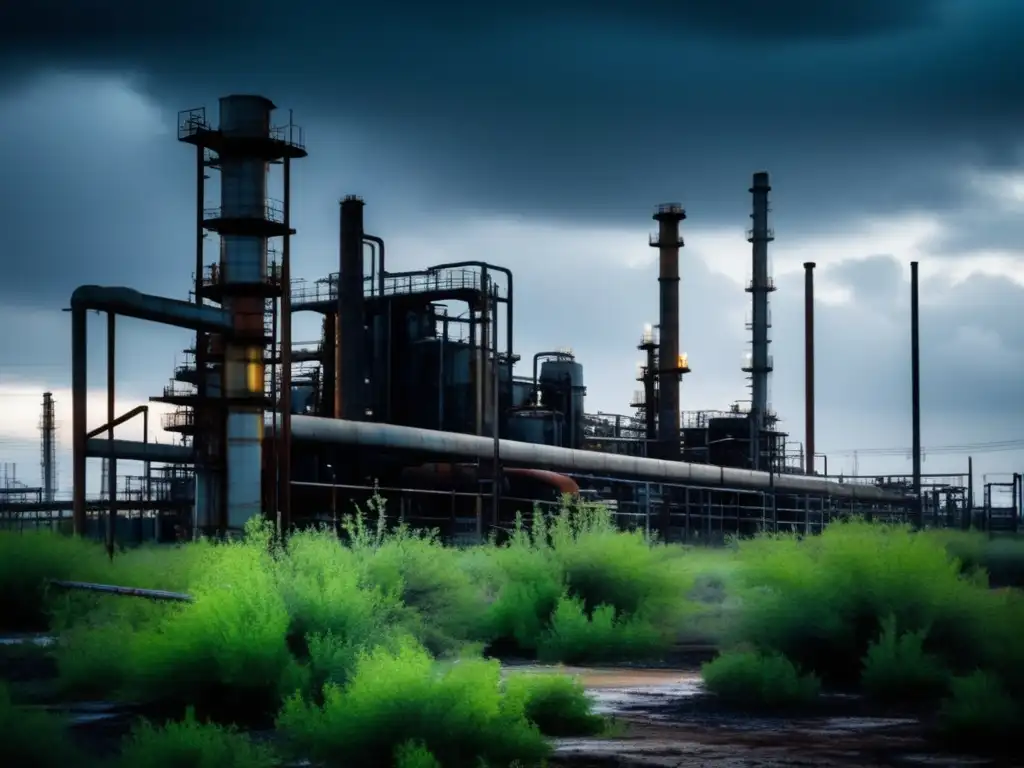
(539, 135)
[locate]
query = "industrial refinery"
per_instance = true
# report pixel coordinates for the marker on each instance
(417, 393)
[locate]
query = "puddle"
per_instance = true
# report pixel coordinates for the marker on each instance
(665, 718)
(39, 641)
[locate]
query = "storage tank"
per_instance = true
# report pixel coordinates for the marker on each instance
(561, 389)
(302, 399)
(540, 426)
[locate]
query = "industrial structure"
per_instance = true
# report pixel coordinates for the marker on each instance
(412, 390)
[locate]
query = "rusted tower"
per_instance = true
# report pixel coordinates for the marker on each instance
(671, 365)
(761, 284)
(231, 398)
(48, 449)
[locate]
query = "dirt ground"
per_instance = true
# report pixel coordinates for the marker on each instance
(663, 720)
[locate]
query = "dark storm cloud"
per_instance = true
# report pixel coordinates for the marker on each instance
(586, 110)
(49, 24)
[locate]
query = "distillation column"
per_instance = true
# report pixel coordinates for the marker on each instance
(671, 364)
(242, 147)
(760, 286)
(48, 463)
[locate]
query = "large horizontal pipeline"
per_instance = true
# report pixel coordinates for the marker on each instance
(157, 309)
(452, 444)
(132, 450)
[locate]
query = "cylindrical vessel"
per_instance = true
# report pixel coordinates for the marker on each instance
(243, 262)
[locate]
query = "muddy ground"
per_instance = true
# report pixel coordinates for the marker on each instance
(662, 719)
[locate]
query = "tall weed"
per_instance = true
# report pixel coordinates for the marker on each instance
(33, 738)
(897, 669)
(758, 680)
(194, 744)
(394, 699)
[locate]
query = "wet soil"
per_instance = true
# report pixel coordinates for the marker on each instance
(662, 718)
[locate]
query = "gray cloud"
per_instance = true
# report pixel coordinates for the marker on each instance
(587, 111)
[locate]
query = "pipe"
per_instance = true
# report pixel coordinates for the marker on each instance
(155, 309)
(133, 450)
(112, 460)
(650, 396)
(495, 420)
(124, 417)
(969, 521)
(379, 242)
(79, 385)
(389, 436)
(201, 413)
(668, 243)
(373, 266)
(481, 356)
(284, 449)
(130, 303)
(561, 483)
(335, 320)
(110, 589)
(274, 463)
(809, 365)
(440, 372)
(915, 386)
(147, 465)
(351, 312)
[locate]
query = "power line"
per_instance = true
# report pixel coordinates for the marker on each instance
(991, 446)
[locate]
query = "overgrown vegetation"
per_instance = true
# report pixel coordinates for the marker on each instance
(32, 737)
(757, 680)
(368, 651)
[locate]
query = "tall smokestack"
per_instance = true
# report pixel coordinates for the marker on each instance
(915, 387)
(671, 367)
(760, 286)
(351, 313)
(809, 364)
(48, 462)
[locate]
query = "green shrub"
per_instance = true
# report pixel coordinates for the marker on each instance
(580, 552)
(898, 669)
(456, 713)
(414, 754)
(575, 638)
(980, 713)
(193, 744)
(821, 601)
(27, 562)
(321, 584)
(557, 704)
(33, 738)
(1001, 558)
(226, 653)
(759, 680)
(525, 584)
(442, 606)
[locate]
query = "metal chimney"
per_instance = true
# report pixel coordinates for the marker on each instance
(915, 388)
(351, 312)
(760, 286)
(671, 365)
(809, 364)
